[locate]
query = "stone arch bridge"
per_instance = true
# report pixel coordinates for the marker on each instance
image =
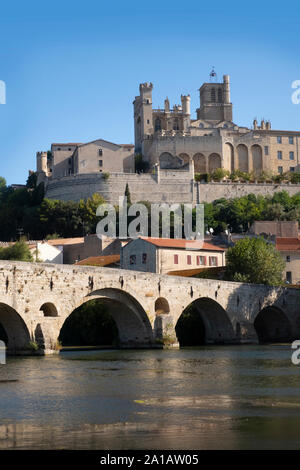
(36, 299)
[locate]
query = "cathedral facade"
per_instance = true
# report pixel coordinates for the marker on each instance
(170, 138)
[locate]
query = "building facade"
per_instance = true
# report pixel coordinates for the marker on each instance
(96, 157)
(163, 255)
(171, 138)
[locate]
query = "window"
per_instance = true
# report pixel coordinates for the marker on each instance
(213, 95)
(201, 260)
(279, 155)
(144, 258)
(100, 152)
(291, 155)
(148, 122)
(292, 169)
(288, 259)
(266, 150)
(70, 161)
(157, 126)
(69, 149)
(100, 163)
(58, 148)
(220, 95)
(175, 259)
(213, 261)
(291, 140)
(189, 259)
(175, 125)
(279, 139)
(280, 170)
(132, 259)
(288, 277)
(201, 125)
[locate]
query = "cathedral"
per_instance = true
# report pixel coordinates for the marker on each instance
(170, 137)
(172, 145)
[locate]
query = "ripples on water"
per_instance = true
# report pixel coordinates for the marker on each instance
(242, 397)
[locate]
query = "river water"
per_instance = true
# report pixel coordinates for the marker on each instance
(213, 397)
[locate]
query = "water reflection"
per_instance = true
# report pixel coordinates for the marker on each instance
(204, 398)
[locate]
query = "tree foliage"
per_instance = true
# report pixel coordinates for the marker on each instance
(254, 260)
(19, 251)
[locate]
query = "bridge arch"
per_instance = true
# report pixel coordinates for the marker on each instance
(207, 322)
(272, 326)
(15, 332)
(132, 321)
(49, 310)
(161, 306)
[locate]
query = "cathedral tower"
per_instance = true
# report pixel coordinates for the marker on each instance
(215, 102)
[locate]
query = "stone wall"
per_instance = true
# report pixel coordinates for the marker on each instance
(209, 192)
(169, 186)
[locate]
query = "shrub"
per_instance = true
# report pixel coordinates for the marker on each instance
(219, 173)
(202, 177)
(295, 178)
(33, 346)
(105, 175)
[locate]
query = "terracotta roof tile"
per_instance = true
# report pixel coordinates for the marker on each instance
(287, 244)
(66, 241)
(182, 243)
(104, 260)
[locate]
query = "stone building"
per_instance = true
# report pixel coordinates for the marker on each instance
(173, 145)
(289, 249)
(171, 138)
(162, 255)
(98, 156)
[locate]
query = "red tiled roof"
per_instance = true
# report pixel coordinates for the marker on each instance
(287, 244)
(66, 241)
(99, 260)
(182, 243)
(193, 272)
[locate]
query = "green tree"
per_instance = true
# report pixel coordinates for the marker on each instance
(127, 194)
(254, 260)
(31, 180)
(2, 183)
(19, 251)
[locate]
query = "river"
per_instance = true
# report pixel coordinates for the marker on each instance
(211, 397)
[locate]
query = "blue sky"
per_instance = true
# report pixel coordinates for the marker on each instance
(72, 68)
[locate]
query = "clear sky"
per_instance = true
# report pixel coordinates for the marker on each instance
(72, 69)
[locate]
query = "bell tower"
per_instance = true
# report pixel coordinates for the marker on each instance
(215, 102)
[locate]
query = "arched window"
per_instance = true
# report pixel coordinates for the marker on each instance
(220, 95)
(175, 125)
(157, 124)
(201, 125)
(213, 94)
